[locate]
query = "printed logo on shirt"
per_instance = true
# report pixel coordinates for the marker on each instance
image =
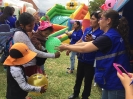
(121, 40)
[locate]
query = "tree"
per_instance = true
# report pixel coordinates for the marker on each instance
(95, 5)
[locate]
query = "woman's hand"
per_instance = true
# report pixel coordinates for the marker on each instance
(62, 47)
(88, 38)
(125, 79)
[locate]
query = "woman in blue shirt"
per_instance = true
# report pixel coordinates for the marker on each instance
(85, 68)
(112, 47)
(7, 17)
(75, 36)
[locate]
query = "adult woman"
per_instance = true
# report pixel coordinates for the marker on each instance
(111, 47)
(75, 36)
(85, 67)
(7, 17)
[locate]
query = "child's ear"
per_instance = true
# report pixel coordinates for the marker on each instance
(22, 26)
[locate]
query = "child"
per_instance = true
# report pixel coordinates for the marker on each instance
(38, 40)
(26, 24)
(17, 86)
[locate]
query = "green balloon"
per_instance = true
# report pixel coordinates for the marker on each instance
(51, 44)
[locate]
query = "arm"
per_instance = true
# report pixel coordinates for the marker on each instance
(80, 41)
(102, 43)
(16, 73)
(19, 36)
(88, 47)
(126, 81)
(36, 43)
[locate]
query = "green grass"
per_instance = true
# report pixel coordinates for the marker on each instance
(60, 83)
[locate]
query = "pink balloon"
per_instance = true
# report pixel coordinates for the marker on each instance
(110, 3)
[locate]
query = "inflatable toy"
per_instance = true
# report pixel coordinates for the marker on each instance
(38, 80)
(51, 44)
(110, 3)
(72, 5)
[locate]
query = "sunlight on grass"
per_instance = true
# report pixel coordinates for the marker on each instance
(60, 83)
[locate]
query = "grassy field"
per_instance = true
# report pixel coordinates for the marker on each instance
(60, 83)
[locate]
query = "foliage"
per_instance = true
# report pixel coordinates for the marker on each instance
(95, 5)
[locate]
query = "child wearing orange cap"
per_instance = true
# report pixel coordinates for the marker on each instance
(17, 86)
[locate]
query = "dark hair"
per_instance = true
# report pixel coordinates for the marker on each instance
(26, 18)
(8, 11)
(49, 28)
(120, 24)
(79, 25)
(17, 24)
(97, 14)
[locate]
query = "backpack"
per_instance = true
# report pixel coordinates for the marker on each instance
(9, 42)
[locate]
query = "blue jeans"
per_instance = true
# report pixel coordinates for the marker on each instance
(114, 94)
(72, 60)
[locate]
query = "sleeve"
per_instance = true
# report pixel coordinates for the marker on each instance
(13, 21)
(19, 36)
(78, 35)
(35, 42)
(103, 43)
(17, 74)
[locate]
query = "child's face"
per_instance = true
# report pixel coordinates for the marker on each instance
(46, 33)
(29, 27)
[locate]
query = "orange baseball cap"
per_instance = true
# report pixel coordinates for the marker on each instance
(19, 54)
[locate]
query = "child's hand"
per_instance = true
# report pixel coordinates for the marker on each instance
(68, 52)
(57, 54)
(43, 89)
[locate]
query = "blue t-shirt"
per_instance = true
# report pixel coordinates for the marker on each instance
(11, 21)
(36, 26)
(76, 36)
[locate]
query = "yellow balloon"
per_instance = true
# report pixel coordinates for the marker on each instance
(38, 80)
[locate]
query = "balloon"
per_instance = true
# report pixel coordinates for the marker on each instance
(38, 80)
(103, 7)
(110, 3)
(51, 44)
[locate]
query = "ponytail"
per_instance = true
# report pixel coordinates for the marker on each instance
(120, 24)
(123, 29)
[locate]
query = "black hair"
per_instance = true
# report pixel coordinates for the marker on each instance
(120, 24)
(96, 14)
(8, 11)
(49, 28)
(25, 19)
(17, 24)
(79, 25)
